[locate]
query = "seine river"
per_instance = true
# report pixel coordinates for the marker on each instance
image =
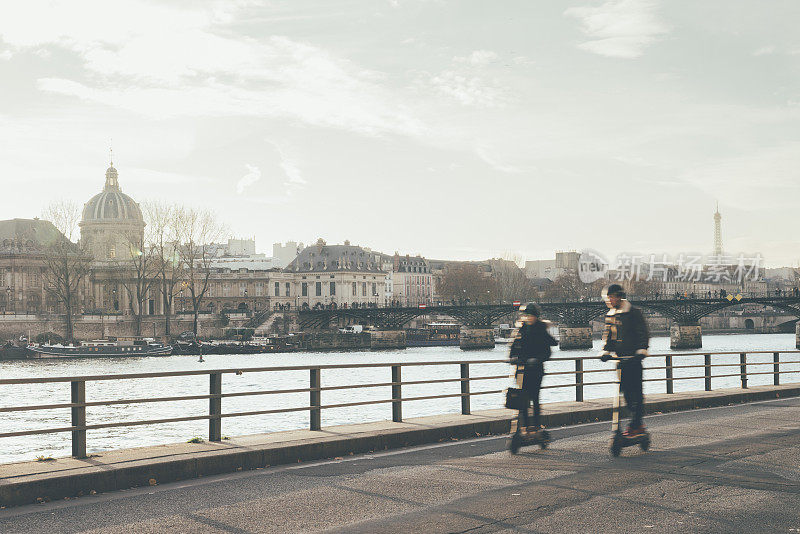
(29, 447)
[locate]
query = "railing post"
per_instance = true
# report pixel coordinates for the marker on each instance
(315, 398)
(578, 380)
(215, 407)
(397, 394)
(707, 369)
(776, 368)
(465, 407)
(78, 396)
(668, 371)
(743, 368)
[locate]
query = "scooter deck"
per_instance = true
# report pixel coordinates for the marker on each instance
(620, 441)
(521, 439)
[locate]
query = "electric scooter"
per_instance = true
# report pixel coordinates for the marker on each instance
(618, 440)
(520, 437)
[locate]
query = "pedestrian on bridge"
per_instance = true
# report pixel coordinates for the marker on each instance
(529, 350)
(627, 337)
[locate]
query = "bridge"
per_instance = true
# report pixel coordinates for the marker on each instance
(573, 317)
(441, 477)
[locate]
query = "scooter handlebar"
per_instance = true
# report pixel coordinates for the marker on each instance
(607, 356)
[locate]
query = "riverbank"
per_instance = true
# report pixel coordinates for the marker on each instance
(29, 482)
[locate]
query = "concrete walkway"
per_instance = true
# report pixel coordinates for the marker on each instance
(27, 482)
(725, 469)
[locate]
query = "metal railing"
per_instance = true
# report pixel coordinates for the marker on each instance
(78, 403)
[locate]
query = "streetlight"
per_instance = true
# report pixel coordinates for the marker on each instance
(245, 297)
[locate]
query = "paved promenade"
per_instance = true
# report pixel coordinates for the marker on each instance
(733, 468)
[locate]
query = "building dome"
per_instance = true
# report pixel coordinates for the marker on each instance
(112, 205)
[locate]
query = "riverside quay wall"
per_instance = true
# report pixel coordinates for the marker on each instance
(12, 326)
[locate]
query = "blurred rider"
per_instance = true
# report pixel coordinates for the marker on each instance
(627, 337)
(531, 348)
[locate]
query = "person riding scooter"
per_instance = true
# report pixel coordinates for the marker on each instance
(627, 337)
(530, 349)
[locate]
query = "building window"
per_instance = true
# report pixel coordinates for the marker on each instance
(242, 289)
(259, 289)
(288, 289)
(319, 289)
(304, 289)
(333, 288)
(355, 289)
(363, 289)
(374, 289)
(277, 289)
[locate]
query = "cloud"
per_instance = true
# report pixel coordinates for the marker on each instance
(764, 51)
(465, 89)
(490, 157)
(619, 28)
(165, 61)
(477, 57)
(5, 55)
(294, 178)
(253, 175)
(767, 177)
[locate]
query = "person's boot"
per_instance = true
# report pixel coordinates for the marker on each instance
(632, 432)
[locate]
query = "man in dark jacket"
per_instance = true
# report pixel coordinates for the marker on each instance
(626, 336)
(531, 348)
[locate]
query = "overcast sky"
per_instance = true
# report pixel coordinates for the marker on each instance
(454, 129)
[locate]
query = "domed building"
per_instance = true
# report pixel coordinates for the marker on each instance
(112, 222)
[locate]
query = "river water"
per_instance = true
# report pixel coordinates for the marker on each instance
(29, 447)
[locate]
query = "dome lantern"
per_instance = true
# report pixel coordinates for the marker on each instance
(112, 179)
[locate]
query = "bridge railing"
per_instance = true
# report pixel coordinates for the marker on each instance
(742, 367)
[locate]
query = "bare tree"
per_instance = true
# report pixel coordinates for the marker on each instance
(67, 264)
(196, 230)
(138, 271)
(569, 286)
(163, 227)
(512, 284)
(467, 282)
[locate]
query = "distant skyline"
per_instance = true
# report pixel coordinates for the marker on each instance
(453, 129)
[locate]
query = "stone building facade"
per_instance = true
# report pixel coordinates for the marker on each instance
(337, 275)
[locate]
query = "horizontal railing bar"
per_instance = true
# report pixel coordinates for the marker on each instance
(38, 431)
(241, 370)
(404, 399)
(233, 414)
(235, 370)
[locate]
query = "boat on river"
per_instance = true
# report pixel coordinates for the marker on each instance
(120, 347)
(434, 335)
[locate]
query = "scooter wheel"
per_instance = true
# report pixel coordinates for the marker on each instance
(545, 439)
(645, 443)
(616, 446)
(515, 443)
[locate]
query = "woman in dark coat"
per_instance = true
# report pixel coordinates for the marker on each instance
(531, 348)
